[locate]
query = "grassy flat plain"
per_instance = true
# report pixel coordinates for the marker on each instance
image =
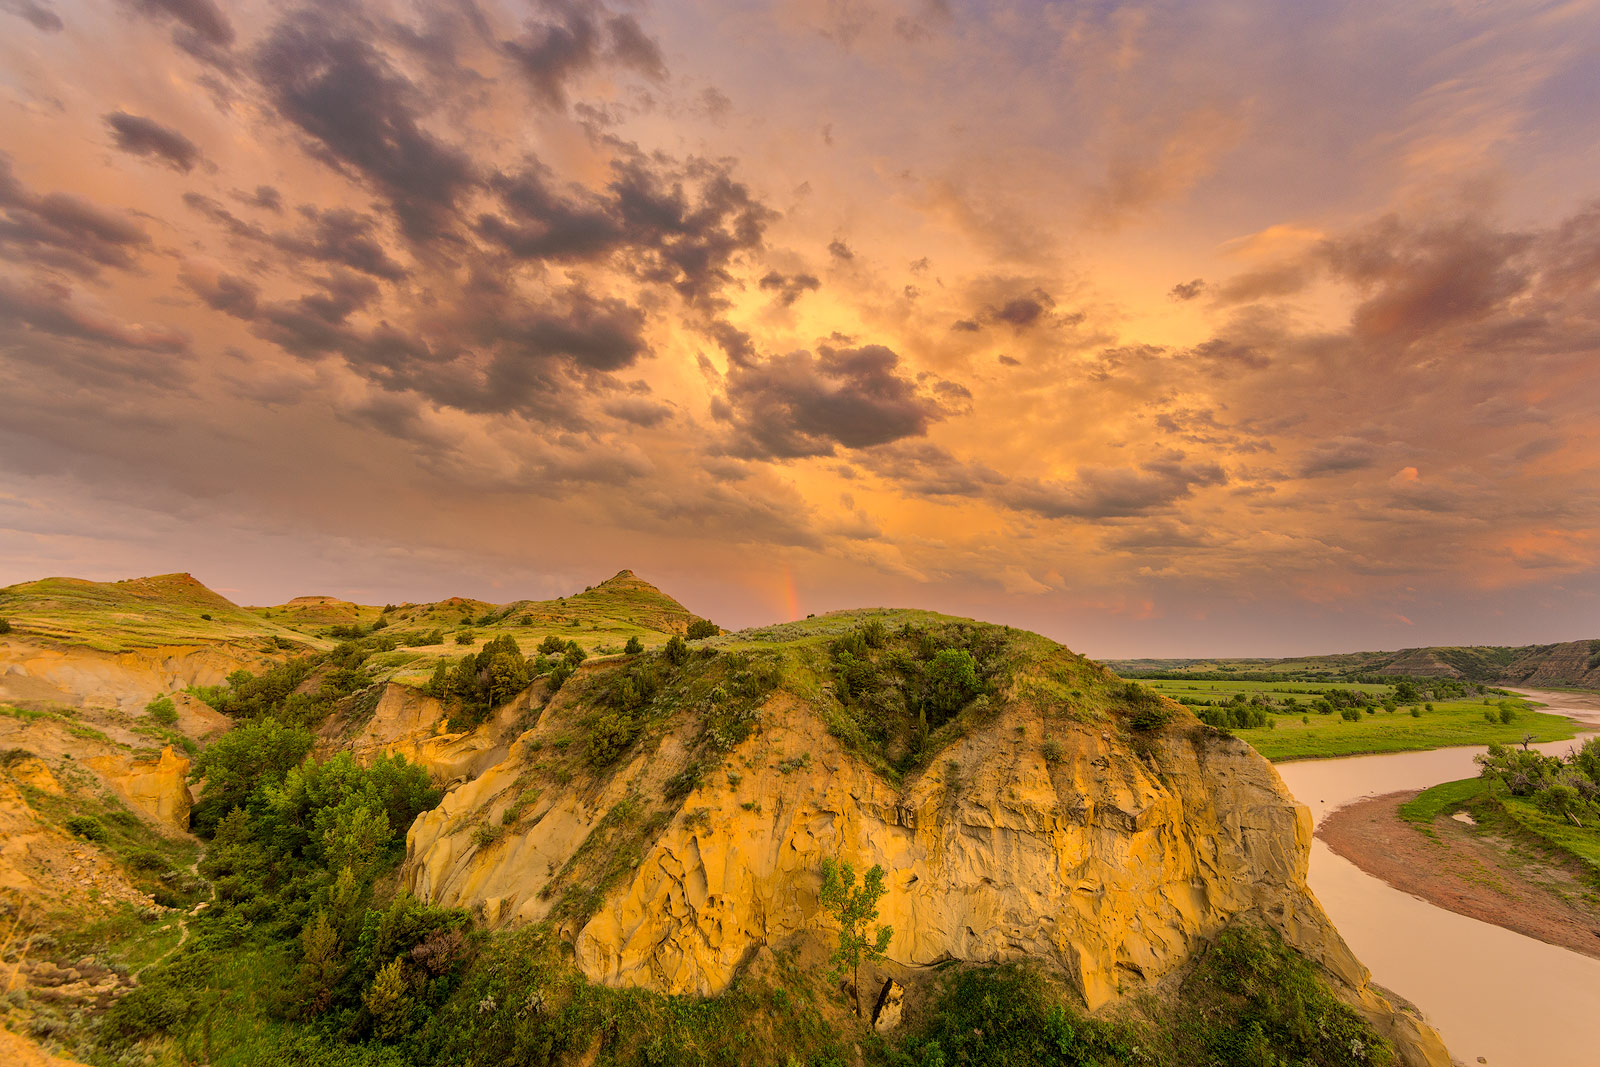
(1298, 731)
(1496, 810)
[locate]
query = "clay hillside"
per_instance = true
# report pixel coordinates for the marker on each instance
(600, 830)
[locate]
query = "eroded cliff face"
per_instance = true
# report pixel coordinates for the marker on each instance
(407, 722)
(158, 789)
(1115, 860)
(34, 672)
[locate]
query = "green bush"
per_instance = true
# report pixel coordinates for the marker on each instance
(87, 827)
(1006, 1016)
(702, 628)
(465, 637)
(633, 647)
(1350, 714)
(5, 626)
(162, 710)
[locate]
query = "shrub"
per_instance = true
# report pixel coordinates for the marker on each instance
(552, 645)
(5, 626)
(1507, 715)
(465, 637)
(1350, 714)
(162, 710)
(633, 647)
(702, 628)
(1416, 713)
(87, 827)
(1051, 750)
(676, 651)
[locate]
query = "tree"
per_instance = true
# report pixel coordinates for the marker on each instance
(5, 626)
(677, 651)
(388, 1001)
(855, 909)
(699, 628)
(257, 753)
(633, 647)
(952, 680)
(319, 964)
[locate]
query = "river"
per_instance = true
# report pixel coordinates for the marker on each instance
(1509, 999)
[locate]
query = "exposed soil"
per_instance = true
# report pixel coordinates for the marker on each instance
(1471, 872)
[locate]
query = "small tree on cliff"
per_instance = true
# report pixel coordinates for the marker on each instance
(856, 909)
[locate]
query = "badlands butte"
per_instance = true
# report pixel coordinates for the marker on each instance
(595, 829)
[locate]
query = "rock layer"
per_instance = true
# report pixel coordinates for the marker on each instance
(1115, 861)
(157, 789)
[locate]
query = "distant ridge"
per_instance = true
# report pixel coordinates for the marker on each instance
(1567, 663)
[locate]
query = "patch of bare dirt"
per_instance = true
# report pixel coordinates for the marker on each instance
(1479, 875)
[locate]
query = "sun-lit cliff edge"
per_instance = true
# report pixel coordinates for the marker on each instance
(1046, 826)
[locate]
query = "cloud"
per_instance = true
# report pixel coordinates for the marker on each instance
(362, 116)
(789, 287)
(146, 137)
(1112, 492)
(64, 231)
(42, 18)
(1338, 457)
(801, 405)
(569, 39)
(52, 309)
(1187, 290)
(201, 28)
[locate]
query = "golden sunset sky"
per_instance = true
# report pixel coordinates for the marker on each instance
(1162, 328)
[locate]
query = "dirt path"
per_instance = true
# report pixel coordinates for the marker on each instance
(1478, 875)
(183, 923)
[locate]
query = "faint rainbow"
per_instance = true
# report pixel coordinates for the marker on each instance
(790, 597)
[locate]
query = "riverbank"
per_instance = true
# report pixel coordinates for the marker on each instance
(1483, 876)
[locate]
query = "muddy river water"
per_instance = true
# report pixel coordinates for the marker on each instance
(1509, 999)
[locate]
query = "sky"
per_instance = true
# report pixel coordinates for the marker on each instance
(1165, 329)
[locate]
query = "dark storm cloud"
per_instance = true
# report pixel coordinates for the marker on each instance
(678, 225)
(42, 17)
(541, 223)
(226, 293)
(1112, 492)
(265, 197)
(1338, 457)
(683, 240)
(924, 469)
(199, 26)
(840, 251)
(569, 39)
(799, 405)
(1023, 311)
(788, 287)
(225, 219)
(64, 231)
(52, 309)
(1422, 280)
(146, 137)
(345, 237)
(363, 117)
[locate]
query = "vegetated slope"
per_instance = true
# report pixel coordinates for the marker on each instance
(668, 815)
(1570, 663)
(620, 606)
(138, 613)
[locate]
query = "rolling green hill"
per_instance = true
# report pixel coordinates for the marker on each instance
(1567, 664)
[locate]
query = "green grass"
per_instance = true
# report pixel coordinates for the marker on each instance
(1580, 843)
(1449, 724)
(168, 609)
(1440, 800)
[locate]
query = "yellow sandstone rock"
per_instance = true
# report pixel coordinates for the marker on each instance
(1115, 862)
(157, 789)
